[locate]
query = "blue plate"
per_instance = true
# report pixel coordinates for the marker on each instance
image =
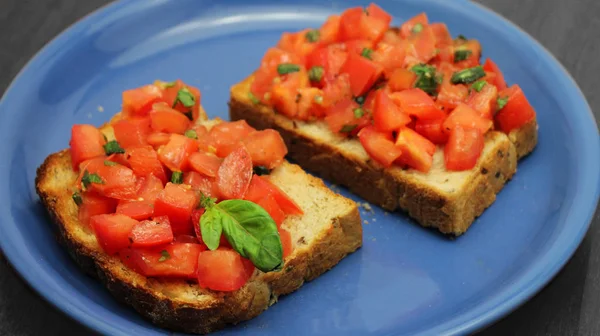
(405, 280)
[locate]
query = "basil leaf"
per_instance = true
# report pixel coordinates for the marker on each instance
(315, 74)
(177, 177)
(251, 232)
(467, 76)
(185, 97)
(461, 55)
(358, 112)
(191, 134)
(164, 255)
(113, 147)
(88, 179)
(287, 68)
(478, 86)
(367, 53)
(502, 102)
(313, 35)
(77, 198)
(347, 128)
(261, 170)
(211, 227)
(253, 98)
(427, 78)
(109, 163)
(417, 28)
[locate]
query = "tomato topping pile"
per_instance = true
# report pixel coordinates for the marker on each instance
(402, 92)
(171, 197)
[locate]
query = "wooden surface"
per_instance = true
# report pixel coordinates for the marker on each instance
(569, 305)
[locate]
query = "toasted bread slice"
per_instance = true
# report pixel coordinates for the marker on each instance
(448, 201)
(329, 229)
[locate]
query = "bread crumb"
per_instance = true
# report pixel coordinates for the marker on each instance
(100, 108)
(89, 115)
(374, 219)
(365, 206)
(373, 239)
(385, 213)
(366, 221)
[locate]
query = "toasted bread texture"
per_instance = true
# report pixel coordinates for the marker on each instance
(329, 230)
(446, 200)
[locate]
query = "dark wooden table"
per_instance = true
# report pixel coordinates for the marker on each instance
(569, 305)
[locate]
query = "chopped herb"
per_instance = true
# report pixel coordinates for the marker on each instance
(367, 53)
(109, 163)
(467, 76)
(206, 201)
(313, 35)
(253, 98)
(191, 134)
(358, 112)
(166, 85)
(189, 115)
(360, 100)
(88, 179)
(164, 255)
(417, 28)
(315, 74)
(477, 86)
(185, 97)
(502, 102)
(104, 136)
(461, 37)
(77, 198)
(287, 68)
(348, 128)
(319, 100)
(427, 79)
(261, 170)
(461, 55)
(113, 147)
(177, 177)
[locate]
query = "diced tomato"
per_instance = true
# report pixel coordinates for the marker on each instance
(187, 239)
(139, 101)
(406, 30)
(223, 270)
(150, 233)
(275, 56)
(86, 143)
(466, 117)
(179, 260)
(149, 188)
(422, 47)
(235, 173)
(379, 145)
(347, 117)
(441, 33)
(286, 241)
(331, 58)
(337, 90)
(144, 161)
(445, 55)
(226, 136)
(261, 186)
(378, 13)
(170, 96)
(165, 119)
(117, 181)
(387, 116)
(349, 21)
(473, 59)
(196, 215)
(158, 139)
(357, 46)
(463, 148)
(450, 96)
(390, 56)
(176, 201)
(363, 73)
(490, 66)
(401, 79)
(330, 30)
(417, 151)
(137, 210)
(296, 43)
(484, 101)
(310, 104)
(270, 205)
(417, 103)
(204, 163)
(112, 231)
(206, 185)
(262, 83)
(132, 132)
(94, 204)
(119, 158)
(266, 148)
(517, 111)
(176, 152)
(432, 130)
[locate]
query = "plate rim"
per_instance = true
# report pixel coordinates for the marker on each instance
(511, 301)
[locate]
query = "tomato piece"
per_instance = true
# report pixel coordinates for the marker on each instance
(357, 46)
(266, 148)
(390, 56)
(137, 210)
(473, 59)
(517, 111)
(86, 143)
(165, 119)
(406, 30)
(417, 103)
(94, 204)
(226, 136)
(196, 215)
(378, 13)
(432, 130)
(206, 185)
(144, 161)
(270, 205)
(387, 116)
(401, 79)
(170, 95)
(117, 181)
(286, 241)
(310, 104)
(139, 101)
(349, 22)
(132, 132)
(417, 151)
(119, 158)
(179, 260)
(261, 186)
(347, 117)
(330, 30)
(205, 163)
(186, 239)
(158, 139)
(176, 152)
(450, 96)
(223, 270)
(466, 117)
(363, 73)
(262, 84)
(275, 56)
(112, 231)
(150, 233)
(337, 90)
(441, 33)
(422, 47)
(283, 100)
(176, 201)
(379, 145)
(484, 101)
(331, 58)
(490, 66)
(296, 43)
(235, 173)
(463, 148)
(149, 188)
